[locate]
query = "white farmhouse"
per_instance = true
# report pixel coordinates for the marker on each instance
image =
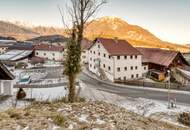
(49, 52)
(115, 60)
(85, 45)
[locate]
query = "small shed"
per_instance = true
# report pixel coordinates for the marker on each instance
(6, 81)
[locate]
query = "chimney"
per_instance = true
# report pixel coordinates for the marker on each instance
(116, 39)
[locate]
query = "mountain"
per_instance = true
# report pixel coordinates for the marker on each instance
(8, 29)
(48, 30)
(111, 27)
(49, 38)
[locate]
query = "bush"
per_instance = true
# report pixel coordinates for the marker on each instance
(20, 65)
(59, 120)
(184, 118)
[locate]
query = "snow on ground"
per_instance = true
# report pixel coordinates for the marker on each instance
(154, 109)
(43, 94)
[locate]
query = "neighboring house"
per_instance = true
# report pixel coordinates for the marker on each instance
(115, 60)
(6, 81)
(85, 45)
(159, 61)
(3, 48)
(49, 52)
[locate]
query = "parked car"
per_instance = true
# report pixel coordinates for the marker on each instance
(25, 80)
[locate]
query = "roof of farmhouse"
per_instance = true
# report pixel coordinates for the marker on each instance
(5, 73)
(86, 44)
(118, 47)
(159, 56)
(45, 47)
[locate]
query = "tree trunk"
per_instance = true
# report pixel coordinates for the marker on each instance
(72, 91)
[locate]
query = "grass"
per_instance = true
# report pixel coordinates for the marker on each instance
(59, 120)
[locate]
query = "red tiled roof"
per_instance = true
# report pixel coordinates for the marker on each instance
(86, 44)
(118, 47)
(36, 59)
(45, 47)
(158, 56)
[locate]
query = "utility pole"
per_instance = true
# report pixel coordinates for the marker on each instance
(169, 85)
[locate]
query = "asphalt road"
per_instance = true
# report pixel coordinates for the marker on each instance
(135, 92)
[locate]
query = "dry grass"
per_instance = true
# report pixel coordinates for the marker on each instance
(184, 118)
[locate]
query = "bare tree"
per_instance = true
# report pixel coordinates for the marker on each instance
(80, 11)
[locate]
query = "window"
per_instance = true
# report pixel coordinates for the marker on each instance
(135, 56)
(53, 58)
(131, 56)
(98, 46)
(118, 69)
(109, 68)
(125, 78)
(53, 54)
(132, 76)
(137, 75)
(44, 54)
(118, 57)
(94, 60)
(144, 68)
(104, 65)
(90, 59)
(109, 57)
(136, 67)
(125, 68)
(125, 57)
(90, 65)
(94, 67)
(99, 53)
(94, 52)
(104, 55)
(90, 51)
(36, 53)
(119, 78)
(131, 67)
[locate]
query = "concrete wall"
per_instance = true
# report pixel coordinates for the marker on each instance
(6, 87)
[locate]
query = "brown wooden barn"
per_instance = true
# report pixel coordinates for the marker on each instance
(160, 60)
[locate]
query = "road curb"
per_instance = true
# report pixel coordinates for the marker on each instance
(136, 87)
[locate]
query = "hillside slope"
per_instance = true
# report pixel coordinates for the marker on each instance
(11, 30)
(111, 27)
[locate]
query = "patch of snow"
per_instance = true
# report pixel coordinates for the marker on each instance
(95, 129)
(71, 127)
(100, 122)
(55, 127)
(83, 118)
(154, 109)
(42, 94)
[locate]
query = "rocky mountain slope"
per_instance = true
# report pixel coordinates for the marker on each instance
(116, 27)
(8, 29)
(109, 27)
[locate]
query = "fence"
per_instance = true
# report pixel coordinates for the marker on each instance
(158, 85)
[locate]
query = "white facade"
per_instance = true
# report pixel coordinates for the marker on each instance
(50, 55)
(121, 67)
(84, 56)
(6, 87)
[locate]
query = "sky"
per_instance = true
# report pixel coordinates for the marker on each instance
(169, 20)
